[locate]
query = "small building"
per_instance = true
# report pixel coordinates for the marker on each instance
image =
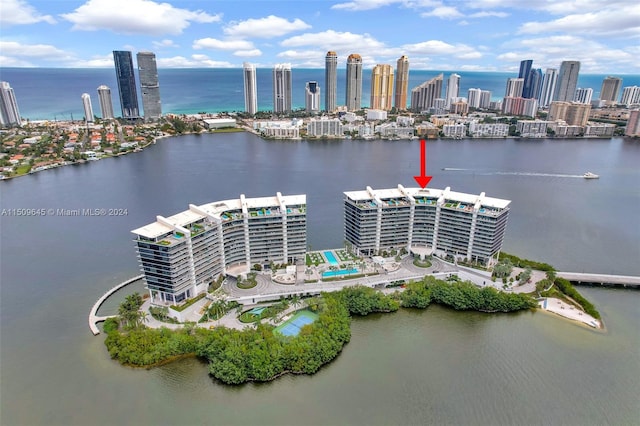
(219, 123)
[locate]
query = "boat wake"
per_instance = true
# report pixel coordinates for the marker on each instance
(500, 173)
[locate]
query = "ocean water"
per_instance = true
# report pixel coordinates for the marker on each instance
(54, 93)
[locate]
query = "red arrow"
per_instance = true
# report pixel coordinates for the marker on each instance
(422, 179)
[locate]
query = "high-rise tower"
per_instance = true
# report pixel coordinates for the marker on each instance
(610, 89)
(9, 114)
(514, 88)
(567, 81)
(583, 95)
(535, 83)
(312, 96)
(453, 89)
(282, 88)
(402, 83)
(331, 81)
(353, 98)
(88, 109)
(126, 84)
(106, 104)
(149, 86)
(424, 95)
(525, 74)
(381, 87)
(548, 86)
(250, 88)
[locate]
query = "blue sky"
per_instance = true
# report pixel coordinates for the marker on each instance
(483, 35)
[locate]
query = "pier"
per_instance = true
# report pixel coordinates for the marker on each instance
(93, 317)
(601, 279)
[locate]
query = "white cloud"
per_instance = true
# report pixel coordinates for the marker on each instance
(164, 44)
(248, 53)
(144, 17)
(271, 26)
(19, 12)
(623, 21)
(358, 5)
(440, 48)
(594, 56)
(335, 40)
(196, 61)
(213, 43)
(443, 12)
(39, 51)
(8, 61)
(487, 14)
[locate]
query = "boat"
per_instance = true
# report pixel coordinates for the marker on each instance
(590, 175)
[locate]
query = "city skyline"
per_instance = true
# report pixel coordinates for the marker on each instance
(602, 36)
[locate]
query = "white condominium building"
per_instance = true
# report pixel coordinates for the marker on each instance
(325, 127)
(182, 254)
(426, 221)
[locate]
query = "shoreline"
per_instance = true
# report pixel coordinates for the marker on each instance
(601, 329)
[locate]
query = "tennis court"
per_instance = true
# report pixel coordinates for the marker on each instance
(292, 326)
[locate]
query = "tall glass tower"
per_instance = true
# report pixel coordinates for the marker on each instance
(148, 72)
(9, 114)
(331, 81)
(525, 74)
(106, 105)
(250, 88)
(88, 109)
(353, 98)
(282, 88)
(402, 83)
(567, 81)
(126, 84)
(312, 96)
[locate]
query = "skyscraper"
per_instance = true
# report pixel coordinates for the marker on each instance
(453, 89)
(106, 104)
(535, 83)
(381, 87)
(250, 88)
(353, 98)
(525, 74)
(548, 86)
(88, 109)
(149, 86)
(485, 99)
(402, 83)
(583, 95)
(126, 84)
(514, 88)
(610, 89)
(282, 88)
(567, 81)
(630, 96)
(9, 114)
(312, 96)
(473, 98)
(424, 95)
(331, 81)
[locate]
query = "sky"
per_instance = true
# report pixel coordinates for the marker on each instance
(464, 35)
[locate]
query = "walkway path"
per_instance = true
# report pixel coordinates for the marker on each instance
(566, 310)
(617, 280)
(93, 317)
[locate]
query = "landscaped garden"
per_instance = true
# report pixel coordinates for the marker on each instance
(314, 258)
(345, 256)
(248, 282)
(426, 263)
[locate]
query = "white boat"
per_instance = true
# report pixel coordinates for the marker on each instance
(590, 175)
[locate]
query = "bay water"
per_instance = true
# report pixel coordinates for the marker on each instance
(413, 367)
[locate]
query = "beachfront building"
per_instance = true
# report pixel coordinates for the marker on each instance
(488, 130)
(250, 88)
(312, 97)
(402, 83)
(282, 88)
(9, 113)
(126, 84)
(534, 128)
(331, 81)
(149, 85)
(182, 254)
(353, 98)
(382, 87)
(424, 95)
(106, 105)
(425, 221)
(86, 106)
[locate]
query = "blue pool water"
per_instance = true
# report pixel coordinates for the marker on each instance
(331, 258)
(339, 272)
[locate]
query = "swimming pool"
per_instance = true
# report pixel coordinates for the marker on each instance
(330, 258)
(339, 272)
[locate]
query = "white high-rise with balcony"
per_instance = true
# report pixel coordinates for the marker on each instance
(548, 87)
(250, 88)
(86, 106)
(9, 113)
(453, 89)
(106, 104)
(282, 88)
